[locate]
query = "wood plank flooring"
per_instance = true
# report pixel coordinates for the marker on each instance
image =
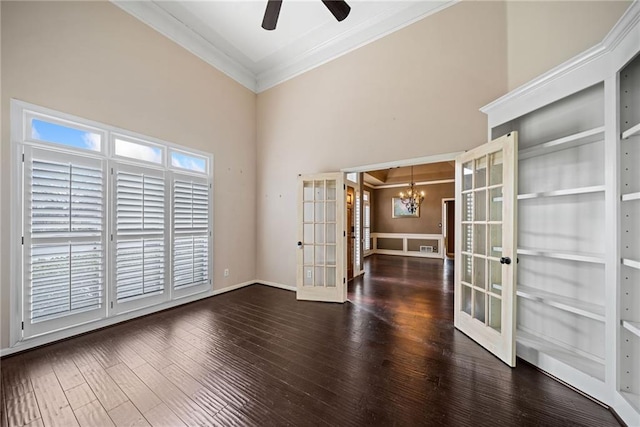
(256, 356)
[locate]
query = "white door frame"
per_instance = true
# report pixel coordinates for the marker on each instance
(446, 157)
(322, 292)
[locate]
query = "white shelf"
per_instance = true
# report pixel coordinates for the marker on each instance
(564, 355)
(631, 196)
(567, 192)
(572, 305)
(631, 132)
(632, 398)
(569, 256)
(631, 263)
(580, 138)
(633, 327)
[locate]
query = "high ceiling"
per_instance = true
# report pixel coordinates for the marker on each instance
(229, 36)
(402, 175)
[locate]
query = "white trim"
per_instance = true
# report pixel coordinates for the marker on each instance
(406, 184)
(20, 105)
(92, 326)
(405, 243)
(611, 41)
(622, 404)
(276, 285)
(21, 112)
(369, 31)
(445, 157)
(167, 25)
(15, 233)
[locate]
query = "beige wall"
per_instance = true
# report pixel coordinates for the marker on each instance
(430, 219)
(413, 93)
(544, 34)
(95, 61)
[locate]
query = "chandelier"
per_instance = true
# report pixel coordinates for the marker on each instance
(411, 198)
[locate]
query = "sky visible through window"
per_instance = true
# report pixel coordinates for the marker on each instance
(138, 151)
(185, 161)
(59, 134)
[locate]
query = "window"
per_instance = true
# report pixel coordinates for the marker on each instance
(188, 162)
(366, 228)
(138, 151)
(50, 131)
(358, 238)
(191, 219)
(111, 222)
(140, 222)
(64, 238)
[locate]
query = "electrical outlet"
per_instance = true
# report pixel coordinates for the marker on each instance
(309, 274)
(226, 272)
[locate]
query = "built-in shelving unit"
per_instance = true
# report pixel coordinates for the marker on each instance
(633, 131)
(560, 193)
(568, 256)
(633, 327)
(530, 344)
(570, 141)
(631, 196)
(561, 233)
(578, 291)
(629, 356)
(572, 305)
(631, 263)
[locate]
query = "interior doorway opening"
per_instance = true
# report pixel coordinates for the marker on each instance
(379, 223)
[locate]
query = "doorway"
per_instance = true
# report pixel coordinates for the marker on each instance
(449, 226)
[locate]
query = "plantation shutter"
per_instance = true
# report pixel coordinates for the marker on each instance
(140, 260)
(191, 261)
(64, 244)
(367, 226)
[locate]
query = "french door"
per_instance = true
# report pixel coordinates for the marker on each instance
(485, 261)
(321, 272)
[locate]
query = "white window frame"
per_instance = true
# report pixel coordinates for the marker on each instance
(193, 289)
(134, 304)
(366, 204)
(20, 135)
(125, 159)
(62, 322)
(62, 120)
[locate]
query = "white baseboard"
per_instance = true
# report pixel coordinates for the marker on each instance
(232, 288)
(276, 285)
(88, 327)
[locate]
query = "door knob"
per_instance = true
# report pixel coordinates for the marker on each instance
(505, 260)
(299, 245)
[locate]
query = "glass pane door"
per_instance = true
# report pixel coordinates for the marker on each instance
(485, 279)
(321, 231)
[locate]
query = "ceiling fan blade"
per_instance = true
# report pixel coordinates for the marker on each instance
(271, 14)
(340, 9)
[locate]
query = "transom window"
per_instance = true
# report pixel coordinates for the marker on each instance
(111, 221)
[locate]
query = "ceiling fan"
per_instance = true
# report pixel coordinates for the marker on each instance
(340, 9)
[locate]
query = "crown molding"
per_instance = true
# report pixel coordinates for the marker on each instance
(167, 25)
(368, 31)
(406, 184)
(624, 26)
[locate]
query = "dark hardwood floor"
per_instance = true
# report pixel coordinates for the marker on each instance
(256, 356)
